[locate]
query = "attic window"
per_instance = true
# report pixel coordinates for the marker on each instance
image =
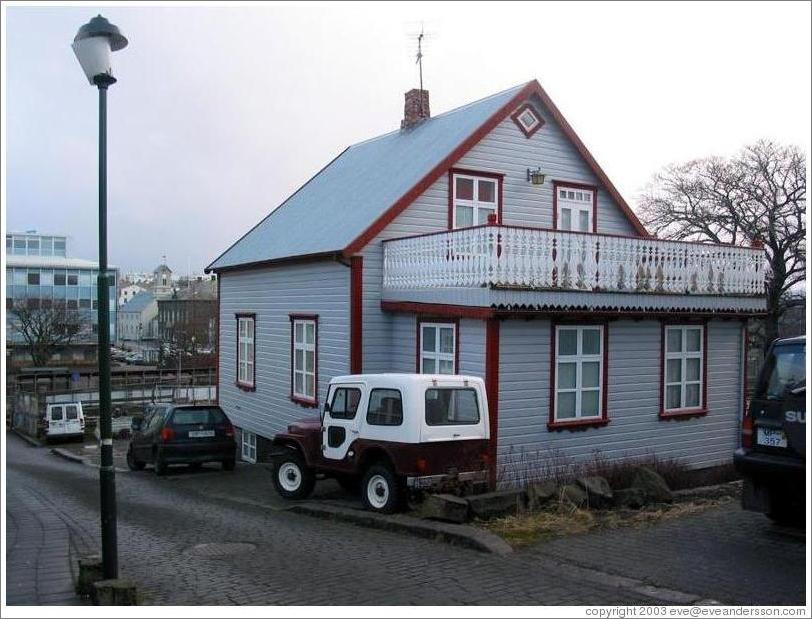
(527, 119)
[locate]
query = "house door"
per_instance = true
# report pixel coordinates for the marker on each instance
(341, 417)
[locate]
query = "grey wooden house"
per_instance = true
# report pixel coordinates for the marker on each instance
(488, 241)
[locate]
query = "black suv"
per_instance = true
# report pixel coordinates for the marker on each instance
(773, 452)
(181, 434)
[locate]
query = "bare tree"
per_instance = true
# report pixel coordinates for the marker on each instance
(756, 197)
(45, 329)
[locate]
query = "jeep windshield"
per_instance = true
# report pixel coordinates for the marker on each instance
(784, 372)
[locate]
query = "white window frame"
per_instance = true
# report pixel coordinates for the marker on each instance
(246, 350)
(475, 204)
(534, 124)
(249, 447)
(579, 358)
(576, 205)
(436, 354)
(683, 355)
(306, 348)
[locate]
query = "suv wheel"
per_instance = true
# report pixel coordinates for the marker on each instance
(292, 478)
(381, 489)
(783, 511)
(135, 465)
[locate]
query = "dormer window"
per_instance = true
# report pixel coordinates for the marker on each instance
(527, 119)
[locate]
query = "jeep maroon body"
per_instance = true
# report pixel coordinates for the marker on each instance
(389, 432)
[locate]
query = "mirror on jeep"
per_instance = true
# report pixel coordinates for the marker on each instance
(325, 410)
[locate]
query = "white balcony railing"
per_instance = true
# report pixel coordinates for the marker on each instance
(503, 256)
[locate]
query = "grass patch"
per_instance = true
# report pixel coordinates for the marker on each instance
(562, 520)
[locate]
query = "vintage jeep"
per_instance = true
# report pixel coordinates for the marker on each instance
(388, 433)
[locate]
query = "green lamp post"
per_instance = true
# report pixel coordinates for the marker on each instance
(93, 46)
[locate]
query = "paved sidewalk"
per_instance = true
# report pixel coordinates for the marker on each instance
(42, 548)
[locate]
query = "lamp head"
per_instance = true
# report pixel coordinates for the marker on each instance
(93, 46)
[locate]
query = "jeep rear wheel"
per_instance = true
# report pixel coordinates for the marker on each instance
(381, 490)
(292, 478)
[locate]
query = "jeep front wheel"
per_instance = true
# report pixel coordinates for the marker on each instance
(292, 478)
(380, 489)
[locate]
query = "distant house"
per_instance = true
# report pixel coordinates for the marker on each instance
(137, 319)
(188, 320)
(488, 241)
(128, 291)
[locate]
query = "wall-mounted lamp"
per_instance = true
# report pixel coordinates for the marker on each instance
(535, 176)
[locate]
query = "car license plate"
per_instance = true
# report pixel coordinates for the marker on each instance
(200, 433)
(770, 437)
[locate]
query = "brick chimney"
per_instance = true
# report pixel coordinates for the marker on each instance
(416, 108)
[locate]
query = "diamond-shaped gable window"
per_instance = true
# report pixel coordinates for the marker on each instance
(527, 119)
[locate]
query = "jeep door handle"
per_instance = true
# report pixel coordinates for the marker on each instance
(353, 431)
(455, 435)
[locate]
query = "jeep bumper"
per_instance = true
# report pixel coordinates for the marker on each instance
(766, 474)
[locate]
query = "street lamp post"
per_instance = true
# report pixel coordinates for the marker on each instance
(93, 45)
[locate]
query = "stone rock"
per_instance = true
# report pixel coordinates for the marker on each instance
(573, 494)
(114, 592)
(599, 494)
(90, 571)
(651, 485)
(541, 493)
(445, 507)
(495, 504)
(631, 498)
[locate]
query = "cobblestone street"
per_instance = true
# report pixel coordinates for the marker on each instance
(285, 558)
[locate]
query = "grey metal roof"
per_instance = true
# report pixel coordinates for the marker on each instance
(138, 303)
(334, 207)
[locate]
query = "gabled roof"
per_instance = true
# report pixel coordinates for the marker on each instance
(356, 195)
(138, 303)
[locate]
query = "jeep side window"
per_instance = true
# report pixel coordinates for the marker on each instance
(56, 413)
(157, 418)
(451, 407)
(385, 408)
(345, 403)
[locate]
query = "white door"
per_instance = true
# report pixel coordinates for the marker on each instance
(56, 420)
(340, 426)
(73, 422)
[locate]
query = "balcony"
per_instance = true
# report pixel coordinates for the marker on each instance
(469, 266)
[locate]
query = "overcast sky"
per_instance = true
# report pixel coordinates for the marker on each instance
(220, 113)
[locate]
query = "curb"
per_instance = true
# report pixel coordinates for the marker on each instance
(72, 457)
(455, 534)
(662, 595)
(28, 439)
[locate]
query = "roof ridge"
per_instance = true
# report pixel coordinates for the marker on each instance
(459, 108)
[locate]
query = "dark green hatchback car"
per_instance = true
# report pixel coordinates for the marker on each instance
(181, 434)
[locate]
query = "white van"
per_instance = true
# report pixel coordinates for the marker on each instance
(64, 421)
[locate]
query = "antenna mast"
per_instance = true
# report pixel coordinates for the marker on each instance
(420, 66)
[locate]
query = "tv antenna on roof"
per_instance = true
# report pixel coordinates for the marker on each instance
(420, 54)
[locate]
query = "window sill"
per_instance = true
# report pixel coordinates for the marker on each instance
(307, 403)
(579, 424)
(245, 387)
(686, 413)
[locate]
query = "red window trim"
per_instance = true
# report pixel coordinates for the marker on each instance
(684, 413)
(515, 118)
(239, 384)
(580, 424)
(592, 188)
(306, 402)
(498, 177)
(419, 320)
